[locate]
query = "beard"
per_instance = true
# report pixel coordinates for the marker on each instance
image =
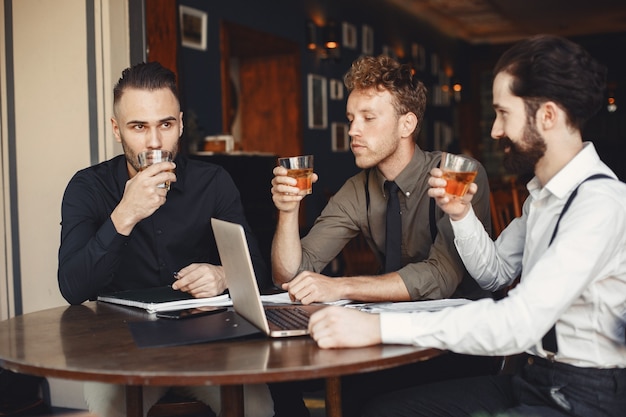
(131, 157)
(522, 158)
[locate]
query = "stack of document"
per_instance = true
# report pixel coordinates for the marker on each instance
(166, 299)
(162, 299)
(405, 307)
(410, 306)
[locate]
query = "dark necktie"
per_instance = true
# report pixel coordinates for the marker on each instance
(393, 235)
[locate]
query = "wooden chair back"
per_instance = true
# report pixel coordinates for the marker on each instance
(506, 204)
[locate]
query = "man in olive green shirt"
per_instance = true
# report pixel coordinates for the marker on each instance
(385, 117)
(385, 109)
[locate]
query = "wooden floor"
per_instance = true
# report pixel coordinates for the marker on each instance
(316, 406)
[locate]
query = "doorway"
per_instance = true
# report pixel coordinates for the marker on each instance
(261, 90)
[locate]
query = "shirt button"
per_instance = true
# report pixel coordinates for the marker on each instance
(407, 194)
(159, 231)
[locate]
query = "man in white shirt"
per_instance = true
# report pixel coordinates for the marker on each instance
(573, 277)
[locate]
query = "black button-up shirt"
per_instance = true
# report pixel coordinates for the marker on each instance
(95, 259)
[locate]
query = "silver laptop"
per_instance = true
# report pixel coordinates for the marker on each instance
(275, 321)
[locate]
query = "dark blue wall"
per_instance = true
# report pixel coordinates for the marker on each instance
(199, 71)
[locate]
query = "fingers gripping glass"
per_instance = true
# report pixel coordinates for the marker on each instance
(147, 158)
(300, 168)
(459, 172)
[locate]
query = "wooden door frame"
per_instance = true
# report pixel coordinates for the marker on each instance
(233, 39)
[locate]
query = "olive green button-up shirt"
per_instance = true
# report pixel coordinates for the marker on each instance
(431, 270)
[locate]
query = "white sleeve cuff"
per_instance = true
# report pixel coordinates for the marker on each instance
(396, 328)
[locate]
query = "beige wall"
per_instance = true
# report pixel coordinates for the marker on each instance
(51, 116)
(51, 131)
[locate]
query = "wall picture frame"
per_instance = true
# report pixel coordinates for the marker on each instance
(434, 64)
(348, 35)
(390, 52)
(418, 55)
(368, 40)
(336, 89)
(193, 27)
(340, 137)
(317, 101)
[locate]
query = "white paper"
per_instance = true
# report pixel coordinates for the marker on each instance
(410, 306)
(283, 298)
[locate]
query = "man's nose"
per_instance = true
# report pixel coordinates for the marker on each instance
(496, 130)
(154, 139)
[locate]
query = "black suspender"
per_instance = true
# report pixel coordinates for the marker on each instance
(549, 342)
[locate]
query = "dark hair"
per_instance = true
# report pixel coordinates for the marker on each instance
(145, 76)
(551, 68)
(385, 73)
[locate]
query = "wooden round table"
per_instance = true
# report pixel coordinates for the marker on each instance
(92, 342)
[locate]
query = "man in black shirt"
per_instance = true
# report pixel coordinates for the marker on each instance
(120, 230)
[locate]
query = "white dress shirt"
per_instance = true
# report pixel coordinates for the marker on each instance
(579, 281)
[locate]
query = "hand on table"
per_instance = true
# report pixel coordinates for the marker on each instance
(341, 327)
(309, 287)
(201, 280)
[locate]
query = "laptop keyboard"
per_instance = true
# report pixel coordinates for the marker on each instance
(288, 318)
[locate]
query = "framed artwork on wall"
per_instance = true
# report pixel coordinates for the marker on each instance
(340, 138)
(336, 89)
(368, 40)
(388, 50)
(348, 35)
(193, 27)
(434, 64)
(418, 55)
(317, 101)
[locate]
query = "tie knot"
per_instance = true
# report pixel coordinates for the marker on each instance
(391, 187)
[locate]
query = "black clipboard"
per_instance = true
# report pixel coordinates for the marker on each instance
(226, 325)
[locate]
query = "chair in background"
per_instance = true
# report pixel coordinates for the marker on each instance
(505, 203)
(506, 200)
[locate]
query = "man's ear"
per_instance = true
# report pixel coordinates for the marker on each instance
(550, 115)
(116, 130)
(408, 124)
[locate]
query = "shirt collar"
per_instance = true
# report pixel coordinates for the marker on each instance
(406, 180)
(584, 164)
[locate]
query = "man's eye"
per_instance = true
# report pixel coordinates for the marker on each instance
(166, 124)
(138, 127)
